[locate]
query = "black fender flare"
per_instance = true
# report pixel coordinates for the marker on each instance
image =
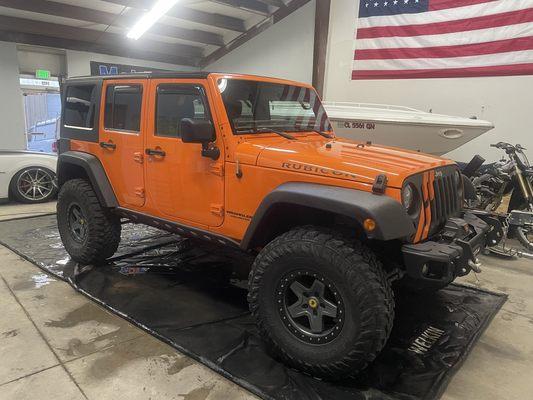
(94, 171)
(392, 221)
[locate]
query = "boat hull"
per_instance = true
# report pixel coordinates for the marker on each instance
(427, 138)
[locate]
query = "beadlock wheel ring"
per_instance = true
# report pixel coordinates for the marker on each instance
(310, 306)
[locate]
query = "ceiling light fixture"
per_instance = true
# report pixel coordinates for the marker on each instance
(150, 18)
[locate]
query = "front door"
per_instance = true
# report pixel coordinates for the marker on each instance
(181, 184)
(122, 131)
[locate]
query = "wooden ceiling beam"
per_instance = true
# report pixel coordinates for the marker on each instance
(23, 25)
(102, 48)
(105, 18)
(189, 14)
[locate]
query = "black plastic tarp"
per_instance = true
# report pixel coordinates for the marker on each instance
(187, 295)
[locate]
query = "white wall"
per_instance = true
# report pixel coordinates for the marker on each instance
(506, 101)
(79, 63)
(11, 107)
(284, 50)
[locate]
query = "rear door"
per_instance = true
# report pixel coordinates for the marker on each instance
(181, 184)
(122, 131)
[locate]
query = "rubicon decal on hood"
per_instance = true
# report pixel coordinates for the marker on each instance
(317, 170)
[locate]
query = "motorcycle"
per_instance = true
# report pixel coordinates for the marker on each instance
(488, 185)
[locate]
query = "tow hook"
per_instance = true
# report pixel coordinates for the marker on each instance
(475, 265)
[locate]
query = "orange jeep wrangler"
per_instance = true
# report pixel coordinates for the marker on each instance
(253, 163)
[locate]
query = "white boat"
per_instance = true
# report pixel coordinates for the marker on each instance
(403, 127)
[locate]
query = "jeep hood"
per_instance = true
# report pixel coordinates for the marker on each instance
(343, 159)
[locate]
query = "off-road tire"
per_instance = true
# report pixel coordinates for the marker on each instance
(360, 280)
(103, 228)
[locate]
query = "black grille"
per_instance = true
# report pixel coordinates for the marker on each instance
(446, 201)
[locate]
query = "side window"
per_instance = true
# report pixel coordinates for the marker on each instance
(175, 102)
(79, 107)
(123, 105)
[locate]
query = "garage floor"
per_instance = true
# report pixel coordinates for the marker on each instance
(57, 344)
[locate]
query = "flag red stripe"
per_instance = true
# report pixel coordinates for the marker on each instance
(498, 70)
(469, 24)
(476, 49)
(435, 5)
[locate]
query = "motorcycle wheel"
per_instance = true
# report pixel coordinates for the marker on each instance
(525, 237)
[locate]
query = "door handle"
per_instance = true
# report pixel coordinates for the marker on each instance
(108, 145)
(153, 152)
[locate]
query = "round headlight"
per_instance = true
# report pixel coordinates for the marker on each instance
(408, 197)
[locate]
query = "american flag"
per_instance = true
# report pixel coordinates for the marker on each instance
(401, 39)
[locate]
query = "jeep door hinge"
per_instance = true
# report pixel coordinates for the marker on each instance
(217, 169)
(217, 209)
(138, 157)
(139, 191)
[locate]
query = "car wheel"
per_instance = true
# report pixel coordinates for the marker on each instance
(89, 232)
(33, 185)
(322, 302)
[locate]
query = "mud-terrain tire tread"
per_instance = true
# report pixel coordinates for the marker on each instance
(104, 228)
(365, 276)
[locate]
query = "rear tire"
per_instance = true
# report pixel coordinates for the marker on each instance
(299, 277)
(90, 233)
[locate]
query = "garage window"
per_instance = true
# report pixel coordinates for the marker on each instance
(174, 103)
(79, 107)
(123, 107)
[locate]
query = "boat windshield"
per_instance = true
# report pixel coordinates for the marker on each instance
(256, 107)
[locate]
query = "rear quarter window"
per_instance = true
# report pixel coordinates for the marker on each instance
(79, 108)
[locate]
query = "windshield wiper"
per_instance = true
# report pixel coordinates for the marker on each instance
(322, 133)
(281, 133)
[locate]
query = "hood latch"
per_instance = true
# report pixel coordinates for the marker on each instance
(380, 184)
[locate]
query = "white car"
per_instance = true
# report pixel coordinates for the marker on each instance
(27, 177)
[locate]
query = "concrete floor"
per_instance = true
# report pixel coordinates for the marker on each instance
(56, 344)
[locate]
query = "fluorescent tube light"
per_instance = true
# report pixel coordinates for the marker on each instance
(150, 18)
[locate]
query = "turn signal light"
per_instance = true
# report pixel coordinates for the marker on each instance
(369, 224)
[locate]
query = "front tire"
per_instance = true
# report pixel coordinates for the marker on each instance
(89, 232)
(321, 301)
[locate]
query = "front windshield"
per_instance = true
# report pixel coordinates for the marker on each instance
(258, 106)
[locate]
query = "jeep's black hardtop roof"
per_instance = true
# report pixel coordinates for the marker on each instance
(167, 75)
(145, 75)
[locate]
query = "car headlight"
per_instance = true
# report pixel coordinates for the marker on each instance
(409, 198)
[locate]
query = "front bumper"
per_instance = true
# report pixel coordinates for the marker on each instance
(453, 254)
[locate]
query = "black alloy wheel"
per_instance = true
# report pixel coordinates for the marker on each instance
(310, 306)
(77, 223)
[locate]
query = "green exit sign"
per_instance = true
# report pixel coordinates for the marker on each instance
(42, 74)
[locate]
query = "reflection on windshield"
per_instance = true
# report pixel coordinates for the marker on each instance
(254, 107)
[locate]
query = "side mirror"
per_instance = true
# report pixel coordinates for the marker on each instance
(200, 131)
(196, 131)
